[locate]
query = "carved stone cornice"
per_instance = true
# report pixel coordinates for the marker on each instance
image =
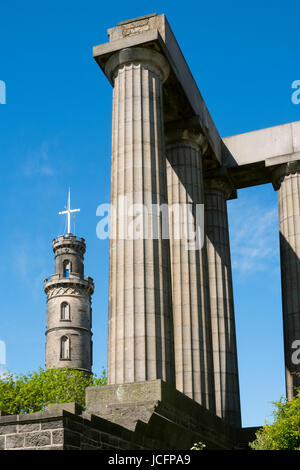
(283, 170)
(219, 180)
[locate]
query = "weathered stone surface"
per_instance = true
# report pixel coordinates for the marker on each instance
(286, 179)
(29, 427)
(15, 441)
(140, 345)
(47, 448)
(102, 396)
(72, 407)
(52, 425)
(58, 436)
(190, 291)
(8, 429)
(38, 439)
(226, 380)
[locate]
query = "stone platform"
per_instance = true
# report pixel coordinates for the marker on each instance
(154, 408)
(141, 416)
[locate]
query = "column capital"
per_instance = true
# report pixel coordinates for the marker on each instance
(137, 55)
(185, 131)
(220, 180)
(281, 171)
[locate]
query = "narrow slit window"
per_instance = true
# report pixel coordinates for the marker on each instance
(67, 268)
(65, 348)
(65, 311)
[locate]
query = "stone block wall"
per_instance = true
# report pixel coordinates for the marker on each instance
(20, 432)
(64, 430)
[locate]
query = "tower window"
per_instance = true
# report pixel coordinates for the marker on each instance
(67, 268)
(65, 311)
(65, 348)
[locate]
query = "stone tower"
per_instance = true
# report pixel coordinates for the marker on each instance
(69, 312)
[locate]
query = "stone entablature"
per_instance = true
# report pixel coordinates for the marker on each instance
(182, 98)
(252, 157)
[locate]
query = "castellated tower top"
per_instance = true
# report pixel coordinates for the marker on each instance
(69, 262)
(69, 252)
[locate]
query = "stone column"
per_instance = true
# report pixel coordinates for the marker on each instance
(286, 180)
(217, 191)
(140, 338)
(190, 294)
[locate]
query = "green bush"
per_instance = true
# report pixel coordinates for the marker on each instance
(32, 392)
(284, 433)
(198, 446)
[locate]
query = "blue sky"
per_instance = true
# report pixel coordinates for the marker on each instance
(55, 133)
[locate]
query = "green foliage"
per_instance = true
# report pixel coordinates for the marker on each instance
(32, 392)
(198, 446)
(284, 433)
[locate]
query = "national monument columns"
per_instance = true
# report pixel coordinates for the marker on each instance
(140, 339)
(218, 189)
(191, 313)
(171, 311)
(286, 180)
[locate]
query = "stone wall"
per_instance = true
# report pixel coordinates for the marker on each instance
(63, 430)
(31, 432)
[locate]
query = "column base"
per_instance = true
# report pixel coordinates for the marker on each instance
(159, 411)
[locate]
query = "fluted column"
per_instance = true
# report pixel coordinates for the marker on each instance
(217, 190)
(140, 342)
(286, 180)
(190, 294)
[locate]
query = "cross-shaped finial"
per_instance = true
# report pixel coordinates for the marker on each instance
(69, 211)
